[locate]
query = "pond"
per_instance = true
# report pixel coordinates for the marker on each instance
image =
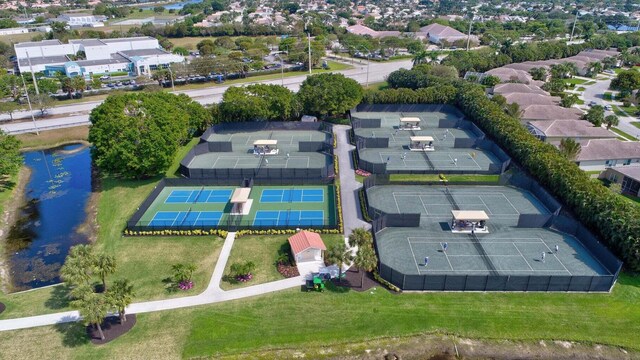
(176, 6)
(47, 226)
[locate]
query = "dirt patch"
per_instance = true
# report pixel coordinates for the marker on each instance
(111, 328)
(448, 347)
(8, 218)
(3, 307)
(353, 280)
(54, 138)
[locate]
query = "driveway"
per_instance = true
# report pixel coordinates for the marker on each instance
(596, 92)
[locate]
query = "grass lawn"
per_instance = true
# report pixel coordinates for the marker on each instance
(581, 88)
(590, 83)
(435, 177)
(16, 38)
(52, 138)
(289, 320)
(377, 86)
(623, 134)
(636, 124)
(575, 81)
(607, 96)
(632, 198)
(263, 251)
(580, 102)
(145, 261)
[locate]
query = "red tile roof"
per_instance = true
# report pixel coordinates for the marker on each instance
(305, 240)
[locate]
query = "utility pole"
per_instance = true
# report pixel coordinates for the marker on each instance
(575, 20)
(469, 34)
(26, 92)
(33, 76)
(306, 28)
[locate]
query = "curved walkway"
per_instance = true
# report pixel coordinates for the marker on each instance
(213, 293)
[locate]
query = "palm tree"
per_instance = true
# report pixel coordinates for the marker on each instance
(570, 148)
(611, 120)
(513, 110)
(79, 266)
(120, 296)
(183, 272)
(93, 309)
(420, 57)
(595, 68)
(360, 237)
(433, 57)
(105, 265)
(609, 62)
(365, 260)
(339, 255)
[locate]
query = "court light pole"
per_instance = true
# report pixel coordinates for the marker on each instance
(368, 61)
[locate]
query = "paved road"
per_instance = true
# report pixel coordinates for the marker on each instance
(596, 92)
(212, 294)
(80, 112)
(349, 187)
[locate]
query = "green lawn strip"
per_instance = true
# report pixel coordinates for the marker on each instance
(630, 110)
(581, 88)
(599, 318)
(623, 134)
(593, 172)
(636, 124)
(607, 96)
(575, 81)
(182, 152)
(6, 191)
(436, 177)
(378, 86)
(632, 198)
(580, 102)
(590, 83)
(290, 319)
(263, 251)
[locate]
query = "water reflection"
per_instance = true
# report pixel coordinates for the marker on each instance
(57, 195)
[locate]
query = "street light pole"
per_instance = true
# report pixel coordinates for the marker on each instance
(33, 76)
(309, 37)
(26, 92)
(574, 26)
(281, 68)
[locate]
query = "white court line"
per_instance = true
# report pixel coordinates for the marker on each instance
(176, 218)
(396, 200)
(198, 217)
(525, 259)
(487, 271)
(415, 260)
(423, 205)
(510, 203)
(485, 205)
(554, 255)
(447, 257)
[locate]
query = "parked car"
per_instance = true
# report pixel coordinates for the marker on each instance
(608, 107)
(592, 103)
(105, 77)
(119, 83)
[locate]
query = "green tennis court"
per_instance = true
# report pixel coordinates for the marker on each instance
(506, 249)
(210, 207)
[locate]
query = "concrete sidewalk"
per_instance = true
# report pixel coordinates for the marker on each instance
(212, 294)
(349, 187)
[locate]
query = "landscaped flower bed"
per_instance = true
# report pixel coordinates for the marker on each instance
(288, 271)
(244, 278)
(363, 173)
(185, 285)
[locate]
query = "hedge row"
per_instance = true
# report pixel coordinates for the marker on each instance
(443, 94)
(616, 220)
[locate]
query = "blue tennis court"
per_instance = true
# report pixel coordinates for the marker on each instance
(198, 196)
(292, 195)
(288, 218)
(186, 218)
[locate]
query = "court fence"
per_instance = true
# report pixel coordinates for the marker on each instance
(495, 281)
(232, 223)
(528, 283)
(265, 126)
(407, 108)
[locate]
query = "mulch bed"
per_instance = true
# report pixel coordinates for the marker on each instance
(111, 328)
(2, 307)
(353, 280)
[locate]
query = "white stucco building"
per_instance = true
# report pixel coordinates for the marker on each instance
(136, 56)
